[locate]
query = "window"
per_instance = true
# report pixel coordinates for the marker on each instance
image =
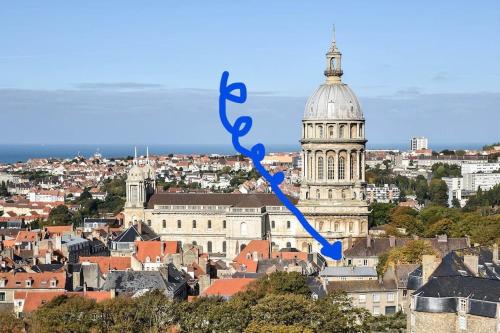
(362, 298)
(341, 131)
(341, 172)
(376, 310)
(2, 297)
(149, 223)
(463, 305)
(164, 224)
(336, 227)
(288, 244)
(330, 130)
(365, 262)
(194, 224)
(330, 168)
(158, 259)
(223, 224)
(224, 247)
(209, 247)
(209, 224)
(320, 128)
(179, 224)
(390, 310)
(330, 194)
(53, 283)
(360, 130)
(318, 194)
(376, 298)
(273, 224)
(243, 228)
(320, 168)
(148, 259)
(195, 243)
(390, 297)
(28, 283)
(288, 224)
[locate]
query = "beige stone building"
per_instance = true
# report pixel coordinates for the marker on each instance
(332, 194)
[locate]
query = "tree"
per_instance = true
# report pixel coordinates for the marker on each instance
(410, 253)
(455, 203)
(421, 190)
(10, 323)
(281, 283)
(380, 212)
(60, 215)
(286, 309)
(438, 192)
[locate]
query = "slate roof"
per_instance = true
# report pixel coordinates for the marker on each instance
(131, 282)
(453, 264)
(362, 286)
(381, 245)
(216, 199)
(348, 271)
(130, 234)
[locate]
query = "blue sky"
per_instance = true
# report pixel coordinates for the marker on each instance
(147, 72)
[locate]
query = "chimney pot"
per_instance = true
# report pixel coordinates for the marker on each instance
(472, 263)
(368, 241)
(495, 254)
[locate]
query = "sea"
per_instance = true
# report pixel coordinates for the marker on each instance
(11, 153)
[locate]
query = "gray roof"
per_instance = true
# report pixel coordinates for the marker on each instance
(362, 286)
(333, 102)
(348, 271)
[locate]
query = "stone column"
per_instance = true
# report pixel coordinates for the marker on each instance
(357, 165)
(336, 166)
(363, 166)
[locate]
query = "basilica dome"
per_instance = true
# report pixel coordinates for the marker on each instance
(333, 101)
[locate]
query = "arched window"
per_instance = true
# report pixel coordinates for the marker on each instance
(333, 63)
(341, 167)
(243, 228)
(320, 130)
(318, 195)
(330, 131)
(273, 224)
(179, 224)
(330, 168)
(288, 224)
(209, 224)
(341, 131)
(223, 224)
(209, 247)
(194, 224)
(288, 244)
(330, 194)
(224, 247)
(320, 168)
(163, 224)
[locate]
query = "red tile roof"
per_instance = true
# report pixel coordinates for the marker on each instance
(26, 236)
(42, 280)
(246, 255)
(34, 299)
(59, 229)
(107, 264)
(153, 249)
(227, 287)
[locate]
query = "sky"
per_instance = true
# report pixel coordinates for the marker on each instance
(134, 72)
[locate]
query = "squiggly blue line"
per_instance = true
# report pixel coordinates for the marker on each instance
(240, 128)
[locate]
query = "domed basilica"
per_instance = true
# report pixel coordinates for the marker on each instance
(332, 193)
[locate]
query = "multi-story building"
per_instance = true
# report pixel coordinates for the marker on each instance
(386, 193)
(485, 181)
(332, 193)
(455, 187)
(419, 143)
(480, 167)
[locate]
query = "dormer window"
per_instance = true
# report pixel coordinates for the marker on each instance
(27, 283)
(148, 259)
(53, 283)
(158, 259)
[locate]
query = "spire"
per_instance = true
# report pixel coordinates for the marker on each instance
(147, 155)
(333, 70)
(135, 155)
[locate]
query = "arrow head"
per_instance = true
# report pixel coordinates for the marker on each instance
(333, 251)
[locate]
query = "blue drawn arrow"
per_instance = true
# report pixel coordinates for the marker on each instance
(240, 128)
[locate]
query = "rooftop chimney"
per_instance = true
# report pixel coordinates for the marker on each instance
(392, 241)
(255, 256)
(472, 263)
(495, 254)
(139, 228)
(368, 241)
(429, 264)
